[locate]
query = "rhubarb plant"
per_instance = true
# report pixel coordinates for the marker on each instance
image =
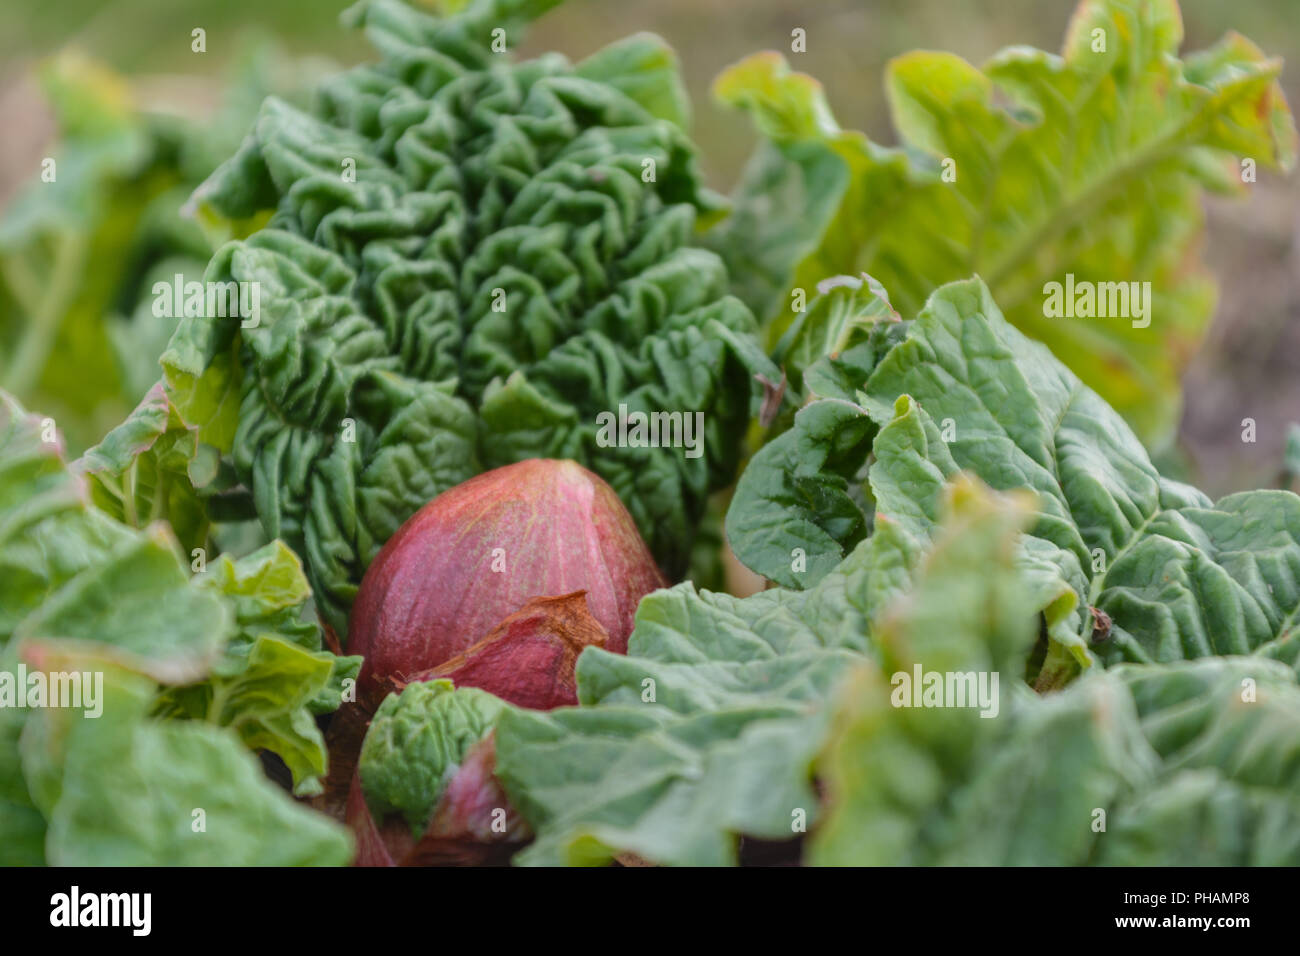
(995, 633)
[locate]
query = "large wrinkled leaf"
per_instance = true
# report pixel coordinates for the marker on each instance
(1229, 733)
(708, 729)
(1177, 575)
(506, 266)
(1091, 163)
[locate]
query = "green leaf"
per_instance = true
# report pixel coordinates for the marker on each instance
(1177, 575)
(138, 600)
(1022, 791)
(73, 574)
(268, 705)
(135, 792)
(1191, 763)
(274, 677)
(1091, 163)
(262, 585)
(840, 336)
(416, 743)
(1228, 732)
(802, 194)
(891, 766)
(1197, 818)
(141, 471)
(794, 515)
(48, 534)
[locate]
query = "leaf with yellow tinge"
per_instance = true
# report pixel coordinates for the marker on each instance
(1091, 163)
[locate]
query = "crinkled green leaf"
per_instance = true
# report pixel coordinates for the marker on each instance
(235, 639)
(1196, 818)
(1026, 807)
(795, 514)
(1177, 575)
(208, 396)
(674, 791)
(1036, 165)
(891, 767)
(505, 267)
(268, 703)
(1228, 730)
(847, 330)
(416, 743)
(73, 574)
(912, 786)
(832, 345)
(48, 534)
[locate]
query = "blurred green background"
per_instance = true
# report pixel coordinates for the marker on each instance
(1249, 366)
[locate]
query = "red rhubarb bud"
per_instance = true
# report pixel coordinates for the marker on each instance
(479, 552)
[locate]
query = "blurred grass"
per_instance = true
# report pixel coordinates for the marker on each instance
(849, 41)
(1249, 366)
